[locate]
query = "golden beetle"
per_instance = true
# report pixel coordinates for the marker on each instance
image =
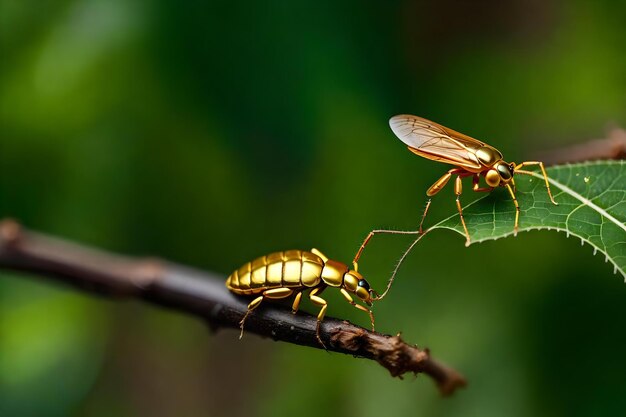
(281, 274)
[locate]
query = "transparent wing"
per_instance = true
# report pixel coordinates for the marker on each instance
(436, 142)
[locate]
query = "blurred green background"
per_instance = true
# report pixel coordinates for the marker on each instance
(210, 133)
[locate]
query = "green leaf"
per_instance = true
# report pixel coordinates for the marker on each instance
(592, 206)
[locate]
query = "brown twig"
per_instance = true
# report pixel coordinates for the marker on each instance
(613, 147)
(204, 295)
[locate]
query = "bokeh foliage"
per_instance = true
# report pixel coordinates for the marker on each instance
(213, 132)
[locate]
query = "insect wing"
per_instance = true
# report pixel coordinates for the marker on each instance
(433, 141)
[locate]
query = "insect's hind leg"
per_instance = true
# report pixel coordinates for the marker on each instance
(274, 293)
(458, 189)
(253, 304)
(313, 295)
(349, 299)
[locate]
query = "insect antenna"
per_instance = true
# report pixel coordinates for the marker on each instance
(400, 262)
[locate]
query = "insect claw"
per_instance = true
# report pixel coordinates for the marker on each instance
(317, 335)
(319, 339)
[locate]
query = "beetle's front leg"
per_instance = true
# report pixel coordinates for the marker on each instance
(349, 299)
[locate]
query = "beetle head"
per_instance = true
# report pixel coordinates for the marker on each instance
(356, 284)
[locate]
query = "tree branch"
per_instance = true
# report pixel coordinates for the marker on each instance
(204, 295)
(613, 147)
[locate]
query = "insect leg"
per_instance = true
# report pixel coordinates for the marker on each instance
(274, 293)
(518, 169)
(476, 186)
(440, 183)
(320, 316)
(349, 299)
(436, 187)
(296, 303)
(508, 186)
(320, 254)
(277, 293)
(458, 189)
(253, 304)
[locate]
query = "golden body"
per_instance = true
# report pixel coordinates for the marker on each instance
(289, 269)
(281, 274)
(470, 157)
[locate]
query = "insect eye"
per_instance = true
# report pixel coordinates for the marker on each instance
(504, 171)
(364, 284)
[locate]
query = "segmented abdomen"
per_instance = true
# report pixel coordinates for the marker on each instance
(291, 269)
